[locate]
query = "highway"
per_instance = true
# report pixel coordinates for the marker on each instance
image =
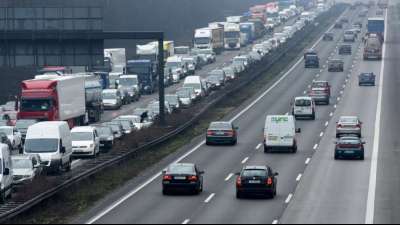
(141, 201)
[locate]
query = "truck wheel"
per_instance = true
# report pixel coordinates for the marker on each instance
(3, 197)
(69, 166)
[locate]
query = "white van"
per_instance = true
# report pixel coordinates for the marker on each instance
(6, 175)
(280, 133)
(52, 142)
(85, 142)
(304, 107)
(195, 83)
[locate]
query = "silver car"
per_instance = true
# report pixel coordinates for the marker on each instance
(349, 125)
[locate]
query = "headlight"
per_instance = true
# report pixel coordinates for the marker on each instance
(110, 139)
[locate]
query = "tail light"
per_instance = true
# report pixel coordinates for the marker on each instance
(358, 126)
(269, 181)
(192, 178)
(239, 182)
(230, 133)
(210, 133)
(167, 178)
(339, 126)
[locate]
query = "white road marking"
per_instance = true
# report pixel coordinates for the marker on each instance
(331, 114)
(208, 200)
(315, 147)
(275, 222)
(75, 162)
(289, 198)
(335, 106)
(187, 221)
(326, 123)
(321, 134)
(245, 160)
(229, 177)
(156, 176)
(308, 161)
(259, 146)
(338, 99)
(375, 152)
(299, 177)
(305, 92)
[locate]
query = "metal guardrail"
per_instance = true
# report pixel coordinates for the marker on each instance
(14, 208)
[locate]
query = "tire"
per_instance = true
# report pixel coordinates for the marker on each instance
(165, 192)
(336, 157)
(313, 116)
(294, 149)
(234, 142)
(69, 166)
(239, 195)
(267, 150)
(3, 198)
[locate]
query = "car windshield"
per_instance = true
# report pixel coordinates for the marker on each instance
(128, 81)
(303, 102)
(183, 94)
(126, 124)
(206, 51)
(115, 127)
(181, 169)
(242, 60)
(173, 64)
(232, 34)
(41, 145)
(348, 120)
(217, 73)
(220, 126)
(109, 95)
(202, 41)
(104, 131)
(35, 105)
(22, 164)
(6, 130)
(319, 85)
(193, 85)
(82, 136)
(173, 99)
(213, 79)
(229, 70)
(188, 60)
(254, 173)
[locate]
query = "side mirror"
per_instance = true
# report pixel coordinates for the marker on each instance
(236, 128)
(63, 150)
(276, 174)
(164, 171)
(298, 130)
(364, 142)
(6, 172)
(237, 174)
(201, 172)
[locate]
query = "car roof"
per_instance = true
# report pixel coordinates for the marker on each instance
(255, 168)
(303, 98)
(83, 129)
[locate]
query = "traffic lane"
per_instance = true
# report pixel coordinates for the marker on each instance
(207, 157)
(288, 165)
(336, 191)
(387, 202)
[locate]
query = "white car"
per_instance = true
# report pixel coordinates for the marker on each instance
(13, 135)
(137, 121)
(280, 133)
(259, 48)
(304, 107)
(25, 168)
(85, 142)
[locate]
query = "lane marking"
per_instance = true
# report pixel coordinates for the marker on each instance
(326, 123)
(308, 161)
(299, 177)
(245, 160)
(331, 114)
(315, 147)
(156, 176)
(229, 177)
(370, 214)
(259, 146)
(208, 200)
(289, 198)
(275, 222)
(187, 221)
(321, 134)
(335, 106)
(305, 92)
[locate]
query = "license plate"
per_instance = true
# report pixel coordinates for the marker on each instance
(180, 178)
(273, 138)
(254, 182)
(349, 152)
(220, 133)
(102, 145)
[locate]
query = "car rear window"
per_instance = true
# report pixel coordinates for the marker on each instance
(319, 85)
(181, 169)
(220, 126)
(254, 173)
(348, 120)
(303, 102)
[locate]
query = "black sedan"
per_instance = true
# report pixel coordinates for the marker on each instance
(349, 147)
(366, 79)
(256, 180)
(222, 133)
(182, 177)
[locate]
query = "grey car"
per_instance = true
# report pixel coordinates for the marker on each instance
(345, 49)
(106, 137)
(220, 74)
(23, 125)
(117, 129)
(127, 125)
(336, 65)
(349, 125)
(173, 101)
(229, 72)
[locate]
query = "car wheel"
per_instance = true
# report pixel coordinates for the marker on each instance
(69, 166)
(3, 198)
(267, 150)
(336, 156)
(165, 192)
(235, 142)
(295, 149)
(239, 195)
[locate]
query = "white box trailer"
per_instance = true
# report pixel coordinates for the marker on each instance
(117, 57)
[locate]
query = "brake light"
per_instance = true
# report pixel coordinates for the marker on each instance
(192, 178)
(239, 182)
(269, 181)
(358, 125)
(210, 133)
(167, 178)
(339, 126)
(230, 133)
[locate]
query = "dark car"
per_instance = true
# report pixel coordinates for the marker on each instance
(345, 50)
(344, 20)
(256, 180)
(215, 82)
(366, 79)
(4, 140)
(106, 135)
(328, 37)
(349, 147)
(338, 25)
(117, 129)
(182, 177)
(222, 133)
(336, 65)
(23, 125)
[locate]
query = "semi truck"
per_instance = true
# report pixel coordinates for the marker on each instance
(259, 12)
(247, 33)
(232, 36)
(210, 38)
(374, 39)
(376, 26)
(259, 28)
(146, 72)
(54, 98)
(116, 58)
